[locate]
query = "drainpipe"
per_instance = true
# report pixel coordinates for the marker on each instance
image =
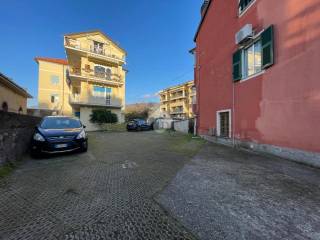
(63, 73)
(233, 115)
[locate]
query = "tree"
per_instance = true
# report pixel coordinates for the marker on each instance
(101, 116)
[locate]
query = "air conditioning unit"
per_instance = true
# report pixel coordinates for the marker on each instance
(244, 34)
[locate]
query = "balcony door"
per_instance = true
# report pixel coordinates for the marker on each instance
(102, 72)
(98, 47)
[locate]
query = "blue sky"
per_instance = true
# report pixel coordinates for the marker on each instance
(156, 34)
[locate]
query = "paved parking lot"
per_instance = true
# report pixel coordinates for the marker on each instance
(229, 194)
(151, 185)
(106, 193)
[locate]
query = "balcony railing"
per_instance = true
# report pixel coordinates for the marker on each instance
(177, 96)
(71, 43)
(176, 111)
(89, 74)
(94, 101)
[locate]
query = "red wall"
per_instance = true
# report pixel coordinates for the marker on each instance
(280, 107)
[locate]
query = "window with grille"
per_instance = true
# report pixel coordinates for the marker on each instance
(224, 119)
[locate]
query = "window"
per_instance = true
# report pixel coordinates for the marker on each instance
(54, 80)
(255, 56)
(244, 4)
(252, 59)
(102, 72)
(54, 98)
(99, 91)
(98, 47)
(60, 123)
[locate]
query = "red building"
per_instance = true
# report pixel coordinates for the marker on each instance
(257, 75)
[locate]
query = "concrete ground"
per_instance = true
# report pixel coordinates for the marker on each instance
(228, 194)
(106, 193)
(145, 186)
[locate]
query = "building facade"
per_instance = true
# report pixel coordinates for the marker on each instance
(91, 77)
(257, 77)
(177, 101)
(13, 98)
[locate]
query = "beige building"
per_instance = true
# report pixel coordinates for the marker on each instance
(13, 98)
(91, 77)
(177, 101)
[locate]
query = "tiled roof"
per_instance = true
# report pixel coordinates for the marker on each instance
(52, 60)
(13, 86)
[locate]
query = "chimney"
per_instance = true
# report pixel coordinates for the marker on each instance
(204, 7)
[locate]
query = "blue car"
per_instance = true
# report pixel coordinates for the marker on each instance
(138, 125)
(58, 134)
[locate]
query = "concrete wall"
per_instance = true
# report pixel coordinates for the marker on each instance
(181, 126)
(14, 100)
(279, 107)
(15, 134)
(163, 124)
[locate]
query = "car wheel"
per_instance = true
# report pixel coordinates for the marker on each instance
(138, 129)
(84, 147)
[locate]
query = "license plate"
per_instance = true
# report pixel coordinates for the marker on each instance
(61, 145)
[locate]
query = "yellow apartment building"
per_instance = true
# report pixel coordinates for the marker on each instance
(13, 98)
(91, 77)
(177, 101)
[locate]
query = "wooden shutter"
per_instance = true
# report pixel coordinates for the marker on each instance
(237, 66)
(267, 39)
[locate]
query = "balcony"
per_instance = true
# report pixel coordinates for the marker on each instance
(77, 99)
(111, 79)
(93, 51)
(177, 96)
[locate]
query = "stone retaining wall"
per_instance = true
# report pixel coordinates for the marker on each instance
(15, 134)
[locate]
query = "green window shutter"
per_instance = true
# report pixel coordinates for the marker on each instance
(237, 66)
(267, 47)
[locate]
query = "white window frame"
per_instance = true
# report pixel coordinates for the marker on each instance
(241, 13)
(218, 122)
(245, 62)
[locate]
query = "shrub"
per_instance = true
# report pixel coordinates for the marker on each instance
(101, 116)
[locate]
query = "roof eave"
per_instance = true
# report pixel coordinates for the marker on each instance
(96, 31)
(202, 20)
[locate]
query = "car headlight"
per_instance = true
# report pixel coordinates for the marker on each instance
(38, 137)
(81, 135)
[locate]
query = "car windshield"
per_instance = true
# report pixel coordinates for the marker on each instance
(60, 123)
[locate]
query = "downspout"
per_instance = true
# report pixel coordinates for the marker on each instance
(63, 75)
(233, 115)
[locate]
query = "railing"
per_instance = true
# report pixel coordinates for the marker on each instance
(177, 96)
(94, 101)
(177, 111)
(88, 73)
(92, 49)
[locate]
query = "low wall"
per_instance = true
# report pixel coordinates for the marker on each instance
(181, 126)
(163, 124)
(296, 155)
(15, 134)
